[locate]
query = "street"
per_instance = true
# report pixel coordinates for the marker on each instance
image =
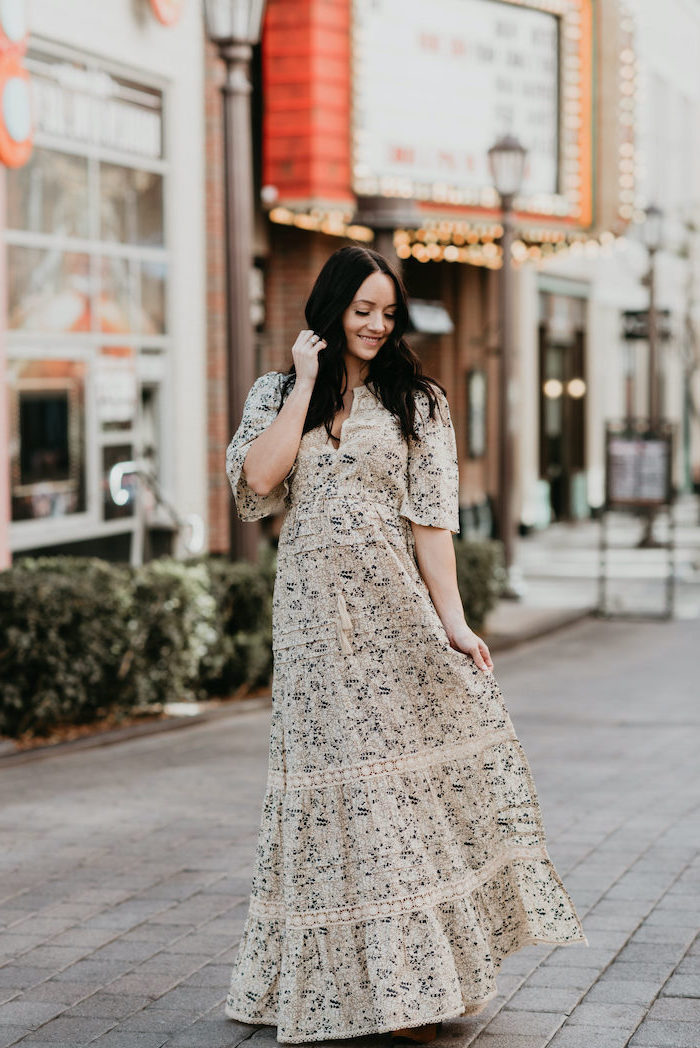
(126, 890)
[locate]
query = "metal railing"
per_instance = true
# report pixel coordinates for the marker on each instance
(190, 527)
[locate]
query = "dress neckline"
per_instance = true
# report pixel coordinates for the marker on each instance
(329, 440)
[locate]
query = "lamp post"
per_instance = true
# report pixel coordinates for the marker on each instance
(653, 235)
(653, 239)
(507, 164)
(234, 26)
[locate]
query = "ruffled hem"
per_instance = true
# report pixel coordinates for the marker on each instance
(417, 1019)
(395, 970)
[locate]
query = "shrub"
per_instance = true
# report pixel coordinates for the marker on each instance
(62, 642)
(480, 576)
(242, 653)
(172, 628)
(80, 636)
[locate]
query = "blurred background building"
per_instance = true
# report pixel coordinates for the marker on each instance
(105, 322)
(372, 120)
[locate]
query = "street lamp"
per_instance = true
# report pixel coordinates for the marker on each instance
(233, 22)
(653, 239)
(507, 164)
(233, 26)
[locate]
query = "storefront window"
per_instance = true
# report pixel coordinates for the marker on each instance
(131, 205)
(86, 256)
(48, 290)
(48, 194)
(47, 446)
(116, 296)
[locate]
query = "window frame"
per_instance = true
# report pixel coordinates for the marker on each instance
(152, 353)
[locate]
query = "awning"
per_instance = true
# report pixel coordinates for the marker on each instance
(429, 318)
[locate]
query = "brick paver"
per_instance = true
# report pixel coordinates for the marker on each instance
(123, 897)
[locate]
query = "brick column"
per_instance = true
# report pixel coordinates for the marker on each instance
(217, 425)
(295, 258)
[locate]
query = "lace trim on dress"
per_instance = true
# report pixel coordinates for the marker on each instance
(406, 904)
(387, 765)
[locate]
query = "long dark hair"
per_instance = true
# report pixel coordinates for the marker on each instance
(395, 374)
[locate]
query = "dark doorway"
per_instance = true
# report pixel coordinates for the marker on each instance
(563, 404)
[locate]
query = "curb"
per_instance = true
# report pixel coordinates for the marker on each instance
(133, 731)
(496, 641)
(549, 622)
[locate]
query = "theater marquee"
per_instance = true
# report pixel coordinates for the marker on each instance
(434, 85)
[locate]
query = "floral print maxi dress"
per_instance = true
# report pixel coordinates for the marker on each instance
(401, 853)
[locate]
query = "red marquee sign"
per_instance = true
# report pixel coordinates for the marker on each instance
(306, 91)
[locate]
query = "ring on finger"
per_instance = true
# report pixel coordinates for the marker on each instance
(314, 338)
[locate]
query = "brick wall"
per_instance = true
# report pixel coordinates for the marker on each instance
(295, 258)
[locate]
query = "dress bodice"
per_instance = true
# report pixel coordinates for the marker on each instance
(418, 478)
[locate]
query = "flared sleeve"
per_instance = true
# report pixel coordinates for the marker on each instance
(432, 483)
(259, 411)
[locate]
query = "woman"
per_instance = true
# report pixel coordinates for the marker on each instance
(401, 854)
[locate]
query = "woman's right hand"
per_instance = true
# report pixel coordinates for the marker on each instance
(305, 354)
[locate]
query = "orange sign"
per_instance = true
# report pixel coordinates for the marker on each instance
(307, 89)
(13, 25)
(167, 11)
(16, 130)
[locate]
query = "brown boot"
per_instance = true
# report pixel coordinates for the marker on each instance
(420, 1034)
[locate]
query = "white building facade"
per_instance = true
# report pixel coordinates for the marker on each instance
(571, 307)
(105, 255)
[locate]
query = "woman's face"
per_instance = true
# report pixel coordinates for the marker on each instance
(369, 319)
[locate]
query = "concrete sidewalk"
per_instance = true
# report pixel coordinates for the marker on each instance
(513, 623)
(561, 564)
(125, 892)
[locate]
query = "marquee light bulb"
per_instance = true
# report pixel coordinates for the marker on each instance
(553, 388)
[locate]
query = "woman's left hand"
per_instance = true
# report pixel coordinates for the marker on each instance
(467, 641)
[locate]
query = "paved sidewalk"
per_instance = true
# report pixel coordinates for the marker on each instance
(512, 623)
(123, 898)
(560, 564)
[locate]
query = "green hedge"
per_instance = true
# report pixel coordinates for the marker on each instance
(62, 633)
(481, 577)
(80, 637)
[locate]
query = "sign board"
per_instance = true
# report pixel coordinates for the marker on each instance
(638, 469)
(116, 389)
(16, 124)
(635, 324)
(436, 84)
(91, 106)
(13, 24)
